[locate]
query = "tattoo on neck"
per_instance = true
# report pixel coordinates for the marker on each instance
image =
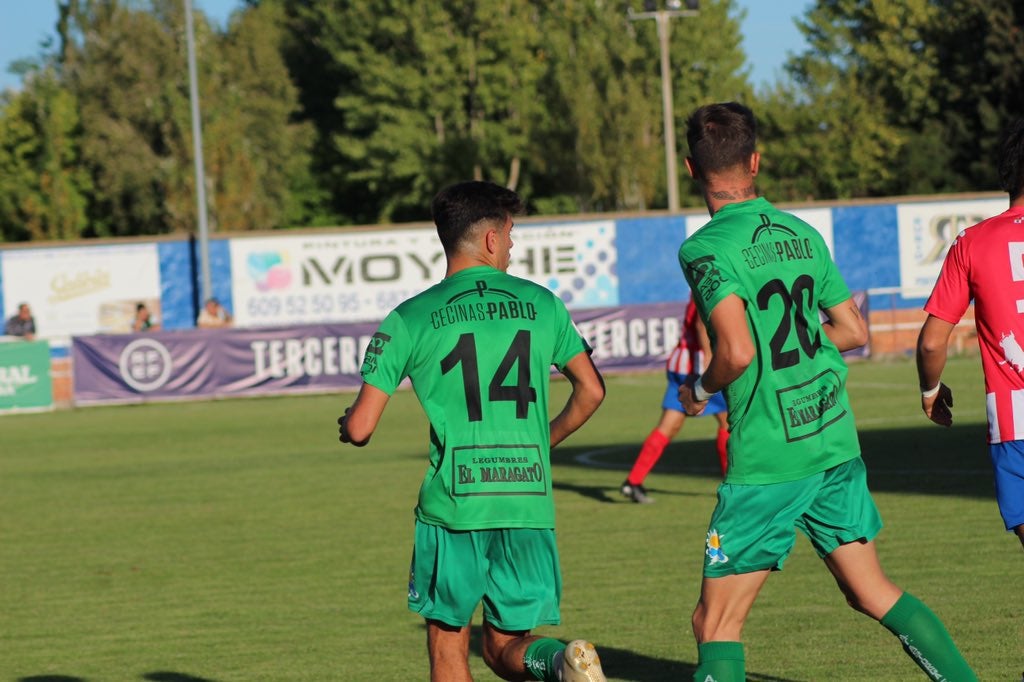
(727, 195)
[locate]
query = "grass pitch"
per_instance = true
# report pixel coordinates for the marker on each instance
(238, 541)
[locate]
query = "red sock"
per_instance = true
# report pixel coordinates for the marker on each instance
(648, 457)
(721, 444)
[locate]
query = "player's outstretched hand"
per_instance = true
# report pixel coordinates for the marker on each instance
(343, 434)
(688, 400)
(937, 407)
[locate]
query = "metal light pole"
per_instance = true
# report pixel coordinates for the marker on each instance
(197, 153)
(663, 17)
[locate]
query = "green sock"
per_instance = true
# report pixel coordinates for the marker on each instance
(540, 658)
(720, 662)
(926, 640)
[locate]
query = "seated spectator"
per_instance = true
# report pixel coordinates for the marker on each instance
(144, 321)
(21, 323)
(213, 315)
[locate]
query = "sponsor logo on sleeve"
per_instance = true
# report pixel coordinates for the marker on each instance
(705, 275)
(373, 352)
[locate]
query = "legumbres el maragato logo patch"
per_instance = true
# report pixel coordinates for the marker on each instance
(810, 407)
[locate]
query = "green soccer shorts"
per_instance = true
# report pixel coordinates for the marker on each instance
(752, 527)
(513, 571)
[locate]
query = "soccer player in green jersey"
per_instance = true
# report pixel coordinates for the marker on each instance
(760, 277)
(478, 348)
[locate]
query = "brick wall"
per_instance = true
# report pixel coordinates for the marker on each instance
(894, 332)
(60, 374)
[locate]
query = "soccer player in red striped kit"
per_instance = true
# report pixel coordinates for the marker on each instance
(690, 356)
(986, 264)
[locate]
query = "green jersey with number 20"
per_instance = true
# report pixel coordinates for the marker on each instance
(479, 347)
(789, 414)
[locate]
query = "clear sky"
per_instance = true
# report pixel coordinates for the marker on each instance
(769, 33)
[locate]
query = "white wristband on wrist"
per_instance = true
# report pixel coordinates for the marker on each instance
(698, 390)
(932, 391)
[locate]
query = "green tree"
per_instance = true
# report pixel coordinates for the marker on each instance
(422, 94)
(709, 65)
(43, 187)
(603, 144)
(980, 88)
(559, 100)
(258, 159)
(127, 66)
(898, 96)
(599, 147)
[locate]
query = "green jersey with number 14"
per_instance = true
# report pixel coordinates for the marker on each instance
(789, 414)
(479, 347)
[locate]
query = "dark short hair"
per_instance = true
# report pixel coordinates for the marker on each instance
(458, 208)
(721, 136)
(1011, 159)
(139, 306)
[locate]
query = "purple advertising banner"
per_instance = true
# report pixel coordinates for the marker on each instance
(630, 338)
(124, 368)
(217, 363)
(639, 337)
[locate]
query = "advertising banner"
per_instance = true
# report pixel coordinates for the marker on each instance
(309, 358)
(83, 290)
(926, 230)
(25, 382)
(216, 363)
(362, 275)
(630, 338)
(316, 358)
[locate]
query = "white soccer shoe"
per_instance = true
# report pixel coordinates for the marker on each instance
(581, 663)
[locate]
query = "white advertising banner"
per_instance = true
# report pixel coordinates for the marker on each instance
(926, 231)
(82, 290)
(357, 276)
(818, 218)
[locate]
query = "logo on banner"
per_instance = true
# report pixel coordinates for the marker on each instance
(145, 365)
(66, 287)
(373, 268)
(269, 270)
(14, 377)
(926, 233)
(942, 231)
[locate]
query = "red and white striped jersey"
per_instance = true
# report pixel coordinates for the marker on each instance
(986, 264)
(687, 357)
